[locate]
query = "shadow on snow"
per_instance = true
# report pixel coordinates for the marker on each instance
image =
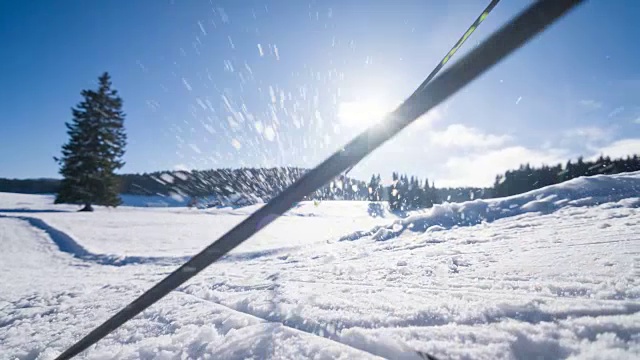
(67, 244)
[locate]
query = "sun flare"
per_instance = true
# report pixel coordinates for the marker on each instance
(363, 113)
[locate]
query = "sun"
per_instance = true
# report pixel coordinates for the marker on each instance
(363, 113)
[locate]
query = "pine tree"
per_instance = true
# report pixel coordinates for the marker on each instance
(373, 189)
(434, 194)
(95, 149)
(394, 203)
(379, 190)
(403, 192)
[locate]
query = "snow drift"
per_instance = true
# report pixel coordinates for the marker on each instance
(585, 191)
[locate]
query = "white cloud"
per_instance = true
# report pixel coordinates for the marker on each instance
(591, 104)
(461, 136)
(620, 148)
(589, 133)
(480, 169)
(431, 117)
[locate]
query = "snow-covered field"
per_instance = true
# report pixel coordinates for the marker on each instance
(554, 273)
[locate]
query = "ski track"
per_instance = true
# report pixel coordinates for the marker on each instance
(532, 316)
(67, 244)
(309, 330)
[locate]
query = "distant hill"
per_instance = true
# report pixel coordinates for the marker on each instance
(29, 186)
(263, 183)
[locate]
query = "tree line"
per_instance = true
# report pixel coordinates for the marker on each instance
(527, 178)
(404, 193)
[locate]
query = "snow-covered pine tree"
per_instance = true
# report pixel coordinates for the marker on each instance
(95, 148)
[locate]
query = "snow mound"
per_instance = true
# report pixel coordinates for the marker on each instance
(621, 190)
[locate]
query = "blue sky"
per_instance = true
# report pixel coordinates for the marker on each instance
(210, 84)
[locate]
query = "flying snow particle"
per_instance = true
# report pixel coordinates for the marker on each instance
(259, 127)
(181, 174)
(153, 105)
(236, 144)
(275, 50)
(518, 101)
(204, 32)
(167, 178)
(260, 50)
(274, 116)
(186, 84)
(232, 123)
(228, 66)
(231, 42)
(195, 148)
(273, 94)
(327, 139)
(142, 67)
(616, 111)
(269, 133)
(176, 196)
(223, 15)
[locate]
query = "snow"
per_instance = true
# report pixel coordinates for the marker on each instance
(580, 192)
(548, 274)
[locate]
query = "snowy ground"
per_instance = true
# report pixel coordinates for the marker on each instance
(550, 274)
